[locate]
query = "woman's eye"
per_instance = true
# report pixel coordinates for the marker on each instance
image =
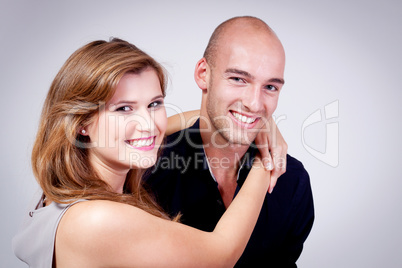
(155, 104)
(124, 109)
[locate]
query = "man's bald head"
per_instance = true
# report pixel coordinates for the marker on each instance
(251, 24)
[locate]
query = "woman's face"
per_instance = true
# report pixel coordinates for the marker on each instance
(130, 128)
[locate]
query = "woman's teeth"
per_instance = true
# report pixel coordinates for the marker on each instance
(142, 142)
(243, 118)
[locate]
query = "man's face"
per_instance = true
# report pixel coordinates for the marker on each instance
(243, 87)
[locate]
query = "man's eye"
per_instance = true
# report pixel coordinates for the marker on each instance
(124, 109)
(271, 88)
(237, 79)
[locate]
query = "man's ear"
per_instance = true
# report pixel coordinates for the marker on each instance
(200, 73)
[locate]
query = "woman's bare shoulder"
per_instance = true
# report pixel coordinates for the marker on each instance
(91, 230)
(99, 215)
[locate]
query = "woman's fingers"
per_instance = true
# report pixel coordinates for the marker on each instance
(273, 150)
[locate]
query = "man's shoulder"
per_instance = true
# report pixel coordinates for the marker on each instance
(294, 165)
(183, 141)
(176, 139)
(295, 179)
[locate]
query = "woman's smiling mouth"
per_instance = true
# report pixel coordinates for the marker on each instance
(144, 144)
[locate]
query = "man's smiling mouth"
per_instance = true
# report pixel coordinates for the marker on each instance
(243, 118)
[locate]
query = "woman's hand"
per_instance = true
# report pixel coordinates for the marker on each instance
(273, 149)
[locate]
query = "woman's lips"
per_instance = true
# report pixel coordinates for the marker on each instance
(144, 144)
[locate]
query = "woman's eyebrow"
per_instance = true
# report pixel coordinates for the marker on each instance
(124, 101)
(157, 97)
(135, 102)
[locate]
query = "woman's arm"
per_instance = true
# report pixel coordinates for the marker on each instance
(111, 234)
(181, 121)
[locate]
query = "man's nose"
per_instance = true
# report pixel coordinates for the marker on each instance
(251, 99)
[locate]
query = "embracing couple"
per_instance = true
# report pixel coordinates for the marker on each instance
(104, 158)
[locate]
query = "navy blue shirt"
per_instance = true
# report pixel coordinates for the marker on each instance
(182, 182)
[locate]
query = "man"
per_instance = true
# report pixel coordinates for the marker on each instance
(203, 167)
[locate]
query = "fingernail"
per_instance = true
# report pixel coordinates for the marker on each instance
(268, 166)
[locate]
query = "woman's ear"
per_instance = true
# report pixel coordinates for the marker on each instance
(200, 73)
(82, 131)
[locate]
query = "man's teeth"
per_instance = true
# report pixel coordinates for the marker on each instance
(243, 118)
(141, 143)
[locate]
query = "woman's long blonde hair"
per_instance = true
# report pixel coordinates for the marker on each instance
(86, 81)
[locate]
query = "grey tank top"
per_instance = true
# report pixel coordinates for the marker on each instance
(34, 243)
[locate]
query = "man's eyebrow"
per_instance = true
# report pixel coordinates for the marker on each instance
(237, 71)
(277, 80)
(247, 74)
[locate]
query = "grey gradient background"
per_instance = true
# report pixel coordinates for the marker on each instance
(345, 51)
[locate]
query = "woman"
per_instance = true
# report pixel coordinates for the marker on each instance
(102, 124)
